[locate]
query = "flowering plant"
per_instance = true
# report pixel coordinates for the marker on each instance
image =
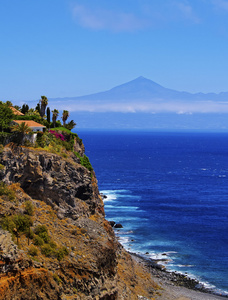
(57, 135)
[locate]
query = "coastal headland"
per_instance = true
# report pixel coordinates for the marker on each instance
(68, 250)
(55, 242)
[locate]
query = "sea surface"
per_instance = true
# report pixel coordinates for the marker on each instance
(170, 193)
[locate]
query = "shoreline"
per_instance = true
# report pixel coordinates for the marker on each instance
(174, 283)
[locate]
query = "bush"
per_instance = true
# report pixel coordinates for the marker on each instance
(42, 232)
(29, 233)
(44, 235)
(38, 241)
(84, 160)
(43, 139)
(22, 222)
(86, 163)
(6, 191)
(40, 229)
(61, 253)
(29, 208)
(7, 223)
(47, 250)
(33, 251)
(19, 222)
(52, 245)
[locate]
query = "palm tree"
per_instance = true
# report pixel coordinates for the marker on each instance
(65, 116)
(44, 103)
(21, 129)
(55, 114)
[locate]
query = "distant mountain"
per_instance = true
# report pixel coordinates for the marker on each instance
(147, 90)
(144, 104)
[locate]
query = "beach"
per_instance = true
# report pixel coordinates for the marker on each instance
(175, 286)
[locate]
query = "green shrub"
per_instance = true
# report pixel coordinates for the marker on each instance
(1, 167)
(29, 233)
(5, 191)
(84, 160)
(47, 250)
(40, 229)
(7, 223)
(29, 208)
(52, 244)
(38, 241)
(86, 163)
(33, 251)
(43, 139)
(22, 222)
(19, 222)
(61, 253)
(44, 235)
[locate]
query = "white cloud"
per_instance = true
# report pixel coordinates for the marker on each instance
(146, 15)
(100, 18)
(146, 107)
(186, 11)
(221, 4)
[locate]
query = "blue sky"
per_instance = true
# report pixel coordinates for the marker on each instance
(71, 48)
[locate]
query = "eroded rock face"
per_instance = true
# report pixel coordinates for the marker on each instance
(66, 200)
(62, 183)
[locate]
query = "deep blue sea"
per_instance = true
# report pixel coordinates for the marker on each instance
(170, 193)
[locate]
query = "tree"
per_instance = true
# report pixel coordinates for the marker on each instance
(48, 115)
(44, 103)
(70, 125)
(17, 107)
(25, 108)
(6, 116)
(21, 129)
(32, 112)
(65, 116)
(38, 108)
(55, 114)
(9, 103)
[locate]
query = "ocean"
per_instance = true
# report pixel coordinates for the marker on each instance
(170, 193)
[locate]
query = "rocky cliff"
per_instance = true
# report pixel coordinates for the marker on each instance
(55, 242)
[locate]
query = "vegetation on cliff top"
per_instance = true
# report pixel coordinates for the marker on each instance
(58, 139)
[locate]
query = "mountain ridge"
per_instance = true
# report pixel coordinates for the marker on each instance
(142, 88)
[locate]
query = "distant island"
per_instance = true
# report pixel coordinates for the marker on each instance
(143, 104)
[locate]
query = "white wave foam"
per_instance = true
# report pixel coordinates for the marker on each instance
(112, 195)
(128, 208)
(185, 266)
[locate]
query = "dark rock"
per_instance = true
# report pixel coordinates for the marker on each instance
(118, 225)
(112, 223)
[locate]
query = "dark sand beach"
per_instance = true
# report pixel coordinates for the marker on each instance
(175, 286)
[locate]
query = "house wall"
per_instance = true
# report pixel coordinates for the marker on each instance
(35, 129)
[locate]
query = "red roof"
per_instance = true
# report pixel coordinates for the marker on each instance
(16, 112)
(29, 123)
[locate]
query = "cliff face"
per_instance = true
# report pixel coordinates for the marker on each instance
(65, 199)
(63, 183)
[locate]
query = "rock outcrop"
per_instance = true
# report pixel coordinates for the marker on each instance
(66, 201)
